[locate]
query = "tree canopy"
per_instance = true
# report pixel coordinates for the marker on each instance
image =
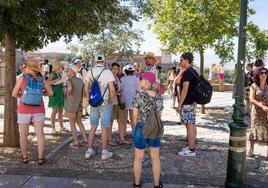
(115, 42)
(195, 25)
(31, 24)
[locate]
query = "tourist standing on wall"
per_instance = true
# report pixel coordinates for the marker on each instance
(56, 102)
(221, 77)
(29, 89)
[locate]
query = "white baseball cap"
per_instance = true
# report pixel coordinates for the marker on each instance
(99, 57)
(77, 61)
(129, 67)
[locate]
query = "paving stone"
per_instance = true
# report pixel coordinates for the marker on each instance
(49, 182)
(10, 181)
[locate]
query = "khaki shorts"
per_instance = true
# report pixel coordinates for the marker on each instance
(117, 112)
(74, 114)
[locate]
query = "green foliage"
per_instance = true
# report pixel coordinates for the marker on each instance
(115, 42)
(194, 25)
(35, 23)
(257, 43)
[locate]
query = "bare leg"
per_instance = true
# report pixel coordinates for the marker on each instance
(122, 127)
(39, 131)
(137, 166)
(132, 121)
(60, 117)
(91, 135)
(191, 135)
(104, 134)
(125, 122)
(155, 165)
(53, 117)
(24, 132)
(81, 128)
(73, 129)
(251, 149)
(110, 132)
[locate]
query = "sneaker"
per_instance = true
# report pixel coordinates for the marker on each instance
(185, 148)
(53, 131)
(89, 153)
(187, 153)
(106, 154)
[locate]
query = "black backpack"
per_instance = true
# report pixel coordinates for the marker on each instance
(202, 90)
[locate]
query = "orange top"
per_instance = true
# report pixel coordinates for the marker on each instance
(177, 80)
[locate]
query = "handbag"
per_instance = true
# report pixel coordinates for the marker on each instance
(153, 126)
(122, 104)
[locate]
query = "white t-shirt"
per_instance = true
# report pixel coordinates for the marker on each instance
(104, 79)
(79, 75)
(45, 68)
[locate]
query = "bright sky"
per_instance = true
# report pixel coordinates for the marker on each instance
(152, 43)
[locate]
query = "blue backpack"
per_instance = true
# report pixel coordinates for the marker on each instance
(95, 96)
(33, 92)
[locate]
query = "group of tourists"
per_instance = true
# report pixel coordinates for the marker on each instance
(134, 97)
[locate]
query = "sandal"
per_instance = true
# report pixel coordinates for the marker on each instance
(137, 186)
(251, 155)
(159, 186)
(23, 160)
(111, 143)
(74, 145)
(124, 142)
(41, 161)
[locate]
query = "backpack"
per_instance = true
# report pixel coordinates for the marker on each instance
(33, 92)
(81, 71)
(202, 90)
(95, 96)
(153, 126)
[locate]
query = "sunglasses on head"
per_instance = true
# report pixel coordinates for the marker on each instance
(263, 73)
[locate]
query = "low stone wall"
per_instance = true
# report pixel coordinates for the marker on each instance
(226, 87)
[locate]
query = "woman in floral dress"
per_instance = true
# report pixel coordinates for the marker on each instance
(259, 100)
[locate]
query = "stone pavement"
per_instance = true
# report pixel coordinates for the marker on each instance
(208, 168)
(24, 181)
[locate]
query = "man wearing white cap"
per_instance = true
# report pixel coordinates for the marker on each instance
(80, 71)
(102, 112)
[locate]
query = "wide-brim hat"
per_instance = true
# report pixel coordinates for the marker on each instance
(151, 56)
(56, 65)
(33, 65)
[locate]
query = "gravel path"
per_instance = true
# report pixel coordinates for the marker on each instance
(207, 168)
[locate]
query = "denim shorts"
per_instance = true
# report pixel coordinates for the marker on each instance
(28, 118)
(140, 142)
(102, 113)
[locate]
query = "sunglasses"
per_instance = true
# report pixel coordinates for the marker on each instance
(263, 73)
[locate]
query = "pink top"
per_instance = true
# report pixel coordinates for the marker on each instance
(27, 109)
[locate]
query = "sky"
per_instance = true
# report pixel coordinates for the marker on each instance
(152, 44)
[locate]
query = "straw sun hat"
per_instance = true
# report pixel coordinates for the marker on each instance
(151, 56)
(56, 65)
(33, 65)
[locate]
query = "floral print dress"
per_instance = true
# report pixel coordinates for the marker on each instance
(259, 120)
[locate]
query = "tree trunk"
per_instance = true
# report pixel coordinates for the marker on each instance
(11, 131)
(201, 52)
